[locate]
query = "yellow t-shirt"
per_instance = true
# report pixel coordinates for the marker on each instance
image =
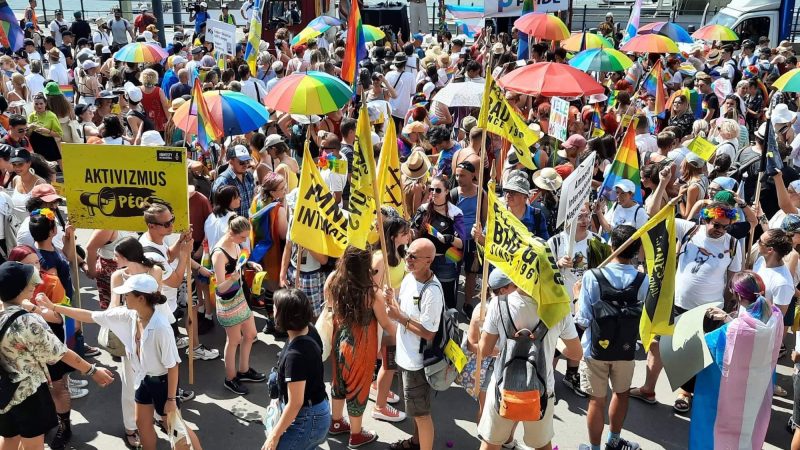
(396, 273)
(47, 120)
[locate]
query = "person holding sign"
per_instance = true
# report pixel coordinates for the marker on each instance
(625, 211)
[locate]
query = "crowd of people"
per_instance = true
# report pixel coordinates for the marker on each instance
(386, 305)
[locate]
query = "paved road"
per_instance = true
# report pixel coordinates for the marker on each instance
(98, 424)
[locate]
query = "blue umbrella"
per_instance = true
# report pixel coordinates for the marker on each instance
(669, 29)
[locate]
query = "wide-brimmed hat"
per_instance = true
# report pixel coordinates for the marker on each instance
(517, 182)
(781, 114)
(547, 179)
(713, 56)
(400, 58)
(415, 127)
(416, 166)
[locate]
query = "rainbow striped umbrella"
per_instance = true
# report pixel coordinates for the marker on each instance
(305, 35)
(715, 32)
(322, 23)
(669, 29)
(141, 52)
(238, 113)
(650, 43)
(542, 26)
(308, 93)
(789, 81)
(372, 34)
(593, 40)
(600, 60)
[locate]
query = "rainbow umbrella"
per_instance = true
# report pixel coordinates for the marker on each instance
(305, 35)
(542, 26)
(322, 23)
(715, 32)
(600, 60)
(593, 40)
(789, 81)
(141, 52)
(239, 114)
(650, 43)
(308, 93)
(669, 29)
(550, 79)
(372, 34)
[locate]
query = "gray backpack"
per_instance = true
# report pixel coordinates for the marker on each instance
(521, 389)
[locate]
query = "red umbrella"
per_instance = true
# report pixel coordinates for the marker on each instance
(550, 79)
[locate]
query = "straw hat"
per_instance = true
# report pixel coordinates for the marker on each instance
(547, 179)
(415, 127)
(416, 166)
(176, 104)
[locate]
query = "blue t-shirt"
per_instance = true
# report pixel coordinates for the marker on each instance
(199, 19)
(535, 222)
(54, 260)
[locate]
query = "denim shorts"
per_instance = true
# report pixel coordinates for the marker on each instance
(309, 429)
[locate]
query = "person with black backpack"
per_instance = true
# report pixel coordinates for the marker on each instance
(609, 309)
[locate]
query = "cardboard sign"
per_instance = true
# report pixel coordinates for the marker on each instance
(559, 118)
(222, 35)
(575, 190)
(107, 186)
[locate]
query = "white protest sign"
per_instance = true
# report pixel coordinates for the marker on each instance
(575, 190)
(559, 115)
(513, 8)
(222, 35)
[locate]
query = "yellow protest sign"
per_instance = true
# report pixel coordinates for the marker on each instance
(702, 148)
(106, 186)
(362, 179)
(453, 352)
(527, 260)
(389, 186)
(318, 223)
(498, 117)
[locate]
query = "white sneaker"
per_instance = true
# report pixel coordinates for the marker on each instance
(584, 447)
(391, 398)
(512, 444)
(182, 342)
(388, 414)
(77, 383)
(77, 392)
(204, 353)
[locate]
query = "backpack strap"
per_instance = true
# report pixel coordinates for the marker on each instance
(10, 321)
(686, 238)
(152, 249)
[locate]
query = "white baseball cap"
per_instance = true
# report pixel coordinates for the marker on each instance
(89, 64)
(141, 282)
(152, 138)
(178, 59)
(133, 92)
(626, 186)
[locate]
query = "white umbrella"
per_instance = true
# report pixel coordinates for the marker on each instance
(468, 93)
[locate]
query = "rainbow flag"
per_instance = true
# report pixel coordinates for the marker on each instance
(522, 46)
(67, 91)
(11, 35)
(207, 130)
(597, 125)
(625, 166)
(244, 255)
(254, 37)
(452, 254)
(332, 163)
(356, 48)
(654, 85)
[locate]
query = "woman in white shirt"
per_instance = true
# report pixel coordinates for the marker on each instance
(150, 345)
(226, 203)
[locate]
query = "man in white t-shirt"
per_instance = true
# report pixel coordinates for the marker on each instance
(625, 210)
(418, 313)
(494, 430)
(402, 81)
(773, 246)
(58, 26)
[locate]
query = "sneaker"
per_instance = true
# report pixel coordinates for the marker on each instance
(184, 395)
(204, 353)
(76, 392)
(77, 383)
(584, 447)
(512, 444)
(363, 438)
(236, 387)
(622, 444)
(341, 426)
(388, 414)
(62, 437)
(269, 328)
(779, 391)
(573, 381)
(182, 342)
(781, 353)
(251, 375)
(89, 351)
(391, 398)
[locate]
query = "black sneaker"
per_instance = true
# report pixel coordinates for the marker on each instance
(62, 437)
(251, 375)
(269, 328)
(184, 395)
(236, 387)
(781, 353)
(89, 351)
(572, 380)
(622, 444)
(467, 309)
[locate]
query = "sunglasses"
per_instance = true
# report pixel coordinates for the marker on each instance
(436, 190)
(719, 226)
(413, 257)
(166, 224)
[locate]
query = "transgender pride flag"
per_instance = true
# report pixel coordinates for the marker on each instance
(633, 22)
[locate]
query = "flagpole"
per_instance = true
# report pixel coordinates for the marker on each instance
(761, 170)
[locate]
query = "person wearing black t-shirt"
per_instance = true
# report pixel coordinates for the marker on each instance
(300, 378)
(710, 100)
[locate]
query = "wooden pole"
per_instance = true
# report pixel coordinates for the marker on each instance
(756, 202)
(189, 307)
(299, 247)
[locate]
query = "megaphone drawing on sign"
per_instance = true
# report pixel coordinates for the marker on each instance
(119, 201)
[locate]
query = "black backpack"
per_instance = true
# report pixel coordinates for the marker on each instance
(440, 371)
(7, 387)
(737, 74)
(615, 328)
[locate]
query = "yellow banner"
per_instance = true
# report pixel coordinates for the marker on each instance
(498, 117)
(702, 148)
(527, 260)
(362, 181)
(389, 185)
(106, 186)
(318, 223)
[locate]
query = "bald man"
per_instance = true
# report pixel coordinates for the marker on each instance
(418, 313)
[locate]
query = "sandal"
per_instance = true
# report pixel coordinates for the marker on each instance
(132, 439)
(641, 394)
(682, 404)
(405, 444)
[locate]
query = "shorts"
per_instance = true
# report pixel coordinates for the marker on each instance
(471, 262)
(153, 391)
(417, 393)
(311, 283)
(36, 415)
(595, 376)
(494, 429)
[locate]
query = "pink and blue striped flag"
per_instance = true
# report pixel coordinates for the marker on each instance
(633, 22)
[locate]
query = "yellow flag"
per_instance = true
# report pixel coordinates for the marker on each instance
(389, 186)
(527, 260)
(362, 179)
(702, 148)
(498, 117)
(318, 223)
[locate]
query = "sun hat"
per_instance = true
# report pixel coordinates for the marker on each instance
(52, 88)
(272, 140)
(781, 114)
(536, 128)
(89, 64)
(141, 282)
(152, 138)
(415, 127)
(597, 98)
(498, 279)
(547, 179)
(133, 93)
(517, 182)
(713, 56)
(416, 166)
